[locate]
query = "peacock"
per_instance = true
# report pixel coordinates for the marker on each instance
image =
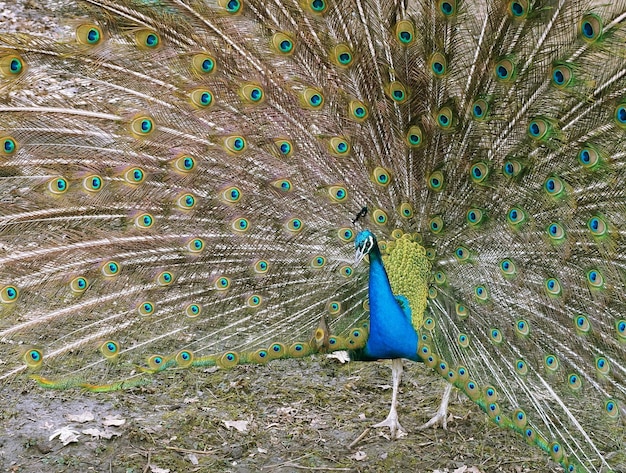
(197, 183)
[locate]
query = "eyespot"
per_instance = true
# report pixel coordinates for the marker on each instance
(620, 327)
(396, 92)
(261, 266)
(318, 262)
(144, 221)
(110, 349)
(231, 194)
(553, 287)
(551, 362)
(184, 163)
(134, 176)
(522, 327)
(539, 129)
(79, 284)
(346, 235)
(333, 307)
(507, 268)
(165, 278)
(463, 340)
(240, 225)
(475, 216)
(436, 224)
(602, 365)
(184, 358)
(380, 217)
(516, 216)
(610, 407)
(414, 137)
(562, 76)
(440, 278)
(518, 9)
(556, 452)
(504, 70)
(231, 6)
(201, 98)
(590, 28)
(445, 118)
(9, 294)
(405, 32)
(196, 245)
(142, 126)
(317, 6)
(479, 173)
(447, 7)
(554, 186)
(620, 115)
(145, 308)
(284, 147)
(283, 44)
(462, 254)
(235, 144)
(88, 34)
(429, 323)
(479, 109)
(556, 232)
(222, 283)
(11, 65)
(193, 310)
(147, 39)
(581, 322)
(312, 98)
(438, 65)
(339, 146)
(58, 185)
(252, 93)
(276, 350)
(481, 293)
(110, 268)
(33, 358)
(598, 226)
(342, 56)
(381, 176)
(436, 181)
(512, 168)
(92, 183)
(406, 210)
(589, 157)
(203, 63)
(358, 111)
(8, 146)
(254, 301)
(461, 311)
(294, 225)
(186, 202)
(595, 279)
(521, 368)
(346, 271)
(156, 363)
(433, 293)
(495, 335)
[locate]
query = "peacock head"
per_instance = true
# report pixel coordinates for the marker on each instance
(364, 242)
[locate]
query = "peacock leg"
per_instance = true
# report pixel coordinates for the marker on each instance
(391, 421)
(441, 416)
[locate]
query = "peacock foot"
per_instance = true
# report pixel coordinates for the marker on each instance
(397, 431)
(441, 416)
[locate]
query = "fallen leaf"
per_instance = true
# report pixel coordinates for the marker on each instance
(81, 418)
(240, 425)
(66, 435)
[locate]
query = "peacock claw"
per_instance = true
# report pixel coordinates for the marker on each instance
(441, 416)
(397, 431)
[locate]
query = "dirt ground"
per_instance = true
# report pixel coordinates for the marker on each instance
(287, 416)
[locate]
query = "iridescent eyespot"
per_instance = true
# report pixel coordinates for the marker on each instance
(481, 293)
(380, 217)
(447, 7)
(283, 44)
(521, 367)
(553, 287)
(582, 324)
(110, 268)
(479, 109)
(462, 254)
(556, 232)
(312, 98)
(381, 176)
(620, 115)
(589, 157)
(554, 186)
(196, 245)
(147, 39)
(222, 283)
(436, 181)
(201, 98)
(184, 163)
(317, 6)
(339, 146)
(156, 362)
(193, 310)
(461, 310)
(539, 129)
(165, 278)
(337, 193)
(406, 210)
(504, 70)
(414, 136)
(318, 261)
(33, 358)
(231, 6)
(436, 224)
(598, 226)
(79, 284)
(620, 327)
(58, 185)
(92, 183)
(110, 349)
(602, 365)
(294, 225)
(254, 301)
(440, 278)
(518, 9)
(186, 202)
(284, 147)
(184, 358)
(9, 294)
(396, 92)
(8, 146)
(551, 362)
(479, 173)
(144, 221)
(516, 216)
(357, 111)
(142, 126)
(590, 27)
(345, 234)
(333, 307)
(240, 225)
(88, 34)
(495, 335)
(145, 308)
(203, 63)
(463, 340)
(405, 32)
(445, 118)
(283, 185)
(235, 144)
(438, 65)
(231, 194)
(475, 216)
(562, 76)
(512, 168)
(595, 279)
(610, 407)
(346, 271)
(342, 56)
(507, 268)
(252, 93)
(261, 266)
(11, 65)
(522, 327)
